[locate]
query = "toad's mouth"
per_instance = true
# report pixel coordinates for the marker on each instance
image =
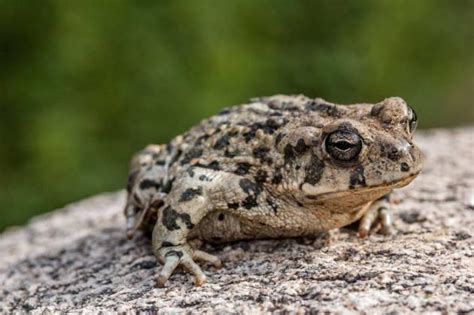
(369, 190)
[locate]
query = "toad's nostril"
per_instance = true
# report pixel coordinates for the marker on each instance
(397, 151)
(394, 153)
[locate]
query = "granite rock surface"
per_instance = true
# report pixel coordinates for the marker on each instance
(77, 259)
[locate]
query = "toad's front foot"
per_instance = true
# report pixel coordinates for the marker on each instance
(377, 216)
(184, 256)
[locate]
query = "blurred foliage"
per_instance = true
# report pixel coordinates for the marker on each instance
(85, 84)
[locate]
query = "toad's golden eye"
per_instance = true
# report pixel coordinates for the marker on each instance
(343, 145)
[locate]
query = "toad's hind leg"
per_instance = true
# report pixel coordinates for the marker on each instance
(145, 181)
(378, 212)
(184, 207)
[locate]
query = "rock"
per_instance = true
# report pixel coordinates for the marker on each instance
(77, 259)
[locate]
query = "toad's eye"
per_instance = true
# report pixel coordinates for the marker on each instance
(412, 120)
(343, 145)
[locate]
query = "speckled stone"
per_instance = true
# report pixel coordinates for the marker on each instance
(77, 259)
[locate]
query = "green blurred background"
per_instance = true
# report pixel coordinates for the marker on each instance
(85, 84)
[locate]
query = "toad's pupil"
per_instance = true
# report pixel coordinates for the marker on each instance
(344, 145)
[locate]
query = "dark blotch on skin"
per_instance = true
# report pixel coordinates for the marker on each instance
(347, 126)
(249, 135)
(148, 183)
(214, 165)
(250, 202)
(204, 178)
(261, 154)
(311, 105)
(272, 205)
(233, 205)
(167, 244)
(326, 109)
(248, 186)
(357, 178)
(242, 168)
(272, 125)
(175, 157)
(221, 217)
(190, 193)
(277, 178)
(252, 190)
(170, 216)
(160, 162)
(223, 141)
(301, 147)
(404, 167)
(314, 171)
(190, 155)
(174, 253)
(286, 106)
(291, 152)
(376, 109)
(168, 186)
(261, 176)
(268, 127)
(229, 154)
(201, 139)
